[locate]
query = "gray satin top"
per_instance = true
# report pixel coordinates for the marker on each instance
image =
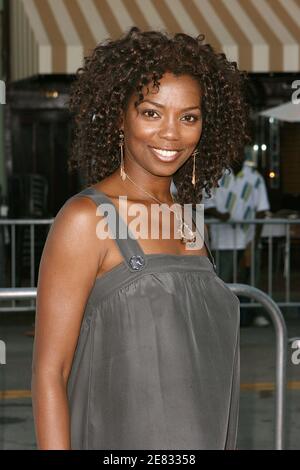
(157, 360)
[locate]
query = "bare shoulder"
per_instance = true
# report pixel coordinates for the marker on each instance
(73, 252)
(77, 209)
(75, 223)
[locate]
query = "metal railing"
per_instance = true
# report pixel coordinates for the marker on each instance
(11, 228)
(285, 246)
(281, 345)
(11, 235)
(281, 354)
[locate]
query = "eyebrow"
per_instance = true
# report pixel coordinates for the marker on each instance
(162, 106)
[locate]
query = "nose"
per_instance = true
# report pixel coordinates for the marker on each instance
(169, 129)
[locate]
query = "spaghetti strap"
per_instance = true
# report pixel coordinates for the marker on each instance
(129, 247)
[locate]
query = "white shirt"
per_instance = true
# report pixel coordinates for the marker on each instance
(242, 195)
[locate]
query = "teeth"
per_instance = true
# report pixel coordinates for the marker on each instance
(166, 153)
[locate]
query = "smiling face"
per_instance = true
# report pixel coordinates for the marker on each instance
(164, 129)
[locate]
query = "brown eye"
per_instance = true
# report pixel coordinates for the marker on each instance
(150, 113)
(191, 118)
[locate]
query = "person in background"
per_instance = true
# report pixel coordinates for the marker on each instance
(241, 194)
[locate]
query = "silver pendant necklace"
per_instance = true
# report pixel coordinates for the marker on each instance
(190, 240)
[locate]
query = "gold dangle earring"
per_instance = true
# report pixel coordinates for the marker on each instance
(195, 153)
(121, 145)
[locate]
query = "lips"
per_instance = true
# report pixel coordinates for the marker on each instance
(165, 155)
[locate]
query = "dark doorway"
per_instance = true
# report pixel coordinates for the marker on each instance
(40, 145)
(38, 135)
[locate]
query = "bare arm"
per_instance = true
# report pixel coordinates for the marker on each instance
(67, 272)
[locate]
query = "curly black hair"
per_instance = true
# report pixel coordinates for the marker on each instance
(117, 69)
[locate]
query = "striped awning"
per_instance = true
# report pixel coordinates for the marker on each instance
(52, 36)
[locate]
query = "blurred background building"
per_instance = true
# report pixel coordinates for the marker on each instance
(44, 42)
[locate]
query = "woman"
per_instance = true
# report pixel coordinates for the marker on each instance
(137, 339)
